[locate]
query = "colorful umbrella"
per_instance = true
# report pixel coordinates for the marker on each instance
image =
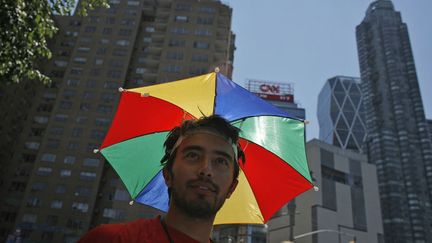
(276, 168)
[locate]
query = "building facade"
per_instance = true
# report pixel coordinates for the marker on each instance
(56, 187)
(345, 207)
(340, 113)
(397, 139)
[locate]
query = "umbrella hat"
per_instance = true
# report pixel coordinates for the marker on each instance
(276, 170)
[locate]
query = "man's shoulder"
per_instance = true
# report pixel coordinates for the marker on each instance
(134, 231)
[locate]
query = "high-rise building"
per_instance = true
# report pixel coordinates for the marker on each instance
(345, 207)
(340, 113)
(54, 187)
(397, 139)
(429, 122)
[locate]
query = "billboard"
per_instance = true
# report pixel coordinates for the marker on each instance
(272, 90)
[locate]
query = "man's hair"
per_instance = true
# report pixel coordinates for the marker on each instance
(213, 123)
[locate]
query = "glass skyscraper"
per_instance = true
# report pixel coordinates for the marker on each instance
(397, 134)
(340, 113)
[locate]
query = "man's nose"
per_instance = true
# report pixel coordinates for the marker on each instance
(205, 168)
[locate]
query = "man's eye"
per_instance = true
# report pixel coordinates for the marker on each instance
(222, 161)
(191, 155)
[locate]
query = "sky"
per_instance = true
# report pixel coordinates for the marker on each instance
(306, 42)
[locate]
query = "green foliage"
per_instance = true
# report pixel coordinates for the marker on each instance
(25, 26)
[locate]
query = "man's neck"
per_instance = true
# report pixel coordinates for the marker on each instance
(196, 228)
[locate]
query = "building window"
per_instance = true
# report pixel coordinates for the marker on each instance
(38, 186)
(32, 145)
(120, 52)
(73, 145)
(40, 119)
(76, 132)
(81, 120)
(149, 29)
(69, 160)
(97, 134)
(44, 171)
(102, 122)
(53, 143)
(56, 204)
(90, 84)
(171, 68)
(106, 31)
(104, 41)
(33, 202)
(65, 173)
(133, 3)
(85, 106)
(48, 157)
(98, 61)
(87, 176)
(83, 191)
(60, 189)
(128, 22)
(65, 105)
(108, 97)
(140, 70)
(201, 45)
(114, 73)
(174, 55)
(147, 39)
(181, 19)
(89, 162)
(208, 10)
(59, 63)
(111, 213)
(76, 71)
(125, 32)
(80, 207)
(121, 195)
(110, 85)
(178, 43)
(61, 118)
(205, 21)
(29, 218)
(72, 82)
(69, 93)
(199, 58)
(80, 60)
(179, 31)
(104, 109)
(83, 49)
(122, 42)
(55, 130)
(203, 32)
(183, 7)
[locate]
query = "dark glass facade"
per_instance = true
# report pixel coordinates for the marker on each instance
(397, 134)
(340, 113)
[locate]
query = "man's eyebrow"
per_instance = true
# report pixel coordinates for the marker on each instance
(199, 148)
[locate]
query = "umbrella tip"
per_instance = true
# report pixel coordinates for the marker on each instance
(217, 69)
(120, 89)
(95, 151)
(316, 188)
(131, 202)
(306, 122)
(145, 95)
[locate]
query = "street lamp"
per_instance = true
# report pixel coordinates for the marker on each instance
(354, 238)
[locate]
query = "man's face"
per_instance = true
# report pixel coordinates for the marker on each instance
(202, 175)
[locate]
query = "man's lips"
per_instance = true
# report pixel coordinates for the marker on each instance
(204, 186)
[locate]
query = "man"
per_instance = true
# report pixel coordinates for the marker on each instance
(200, 171)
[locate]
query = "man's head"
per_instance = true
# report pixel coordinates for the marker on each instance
(201, 165)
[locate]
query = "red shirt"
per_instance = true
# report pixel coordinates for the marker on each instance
(141, 230)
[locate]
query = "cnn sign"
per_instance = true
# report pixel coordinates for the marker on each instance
(270, 88)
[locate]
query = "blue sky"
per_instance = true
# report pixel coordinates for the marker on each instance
(305, 42)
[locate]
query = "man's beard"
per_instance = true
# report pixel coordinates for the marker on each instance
(199, 207)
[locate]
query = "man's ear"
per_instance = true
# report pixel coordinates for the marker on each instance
(232, 188)
(167, 176)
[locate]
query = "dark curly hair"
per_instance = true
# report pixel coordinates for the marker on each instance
(213, 123)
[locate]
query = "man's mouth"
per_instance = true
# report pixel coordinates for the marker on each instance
(203, 186)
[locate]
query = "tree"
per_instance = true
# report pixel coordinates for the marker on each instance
(25, 27)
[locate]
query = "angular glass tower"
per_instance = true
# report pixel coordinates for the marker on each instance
(397, 134)
(340, 113)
